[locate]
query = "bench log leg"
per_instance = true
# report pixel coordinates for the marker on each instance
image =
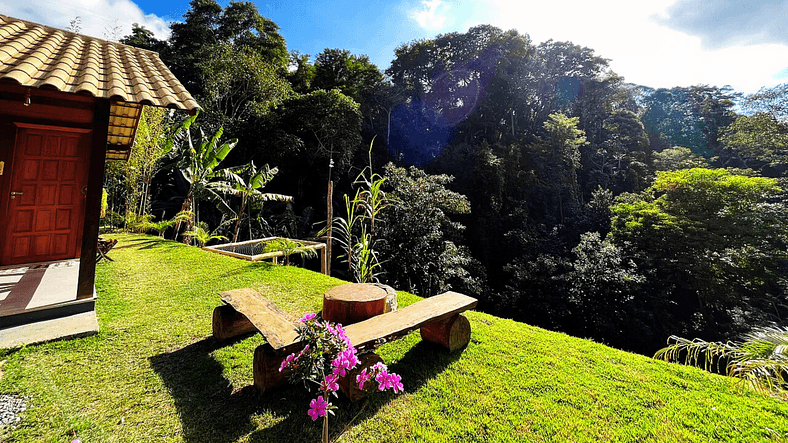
(348, 385)
(265, 367)
(229, 323)
(452, 333)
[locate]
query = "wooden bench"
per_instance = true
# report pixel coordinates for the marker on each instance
(438, 318)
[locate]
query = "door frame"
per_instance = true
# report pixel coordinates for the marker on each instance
(8, 172)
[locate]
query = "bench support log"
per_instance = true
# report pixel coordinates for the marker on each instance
(265, 367)
(228, 323)
(452, 333)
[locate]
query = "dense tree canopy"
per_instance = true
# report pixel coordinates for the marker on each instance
(710, 242)
(531, 176)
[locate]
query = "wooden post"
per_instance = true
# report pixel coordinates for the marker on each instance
(98, 154)
(229, 323)
(323, 263)
(265, 368)
(330, 222)
(452, 333)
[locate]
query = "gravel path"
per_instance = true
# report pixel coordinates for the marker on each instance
(10, 408)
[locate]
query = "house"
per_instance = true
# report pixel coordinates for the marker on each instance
(68, 104)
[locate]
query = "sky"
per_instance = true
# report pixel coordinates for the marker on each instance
(656, 43)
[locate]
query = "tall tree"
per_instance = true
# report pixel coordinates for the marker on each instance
(420, 252)
(239, 84)
(354, 75)
(559, 154)
(710, 244)
(760, 137)
(141, 37)
(206, 24)
(305, 134)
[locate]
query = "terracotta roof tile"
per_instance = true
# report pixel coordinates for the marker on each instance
(36, 55)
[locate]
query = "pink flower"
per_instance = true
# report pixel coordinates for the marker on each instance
(362, 378)
(344, 361)
(287, 361)
(307, 317)
(396, 383)
(330, 383)
(317, 408)
(379, 366)
(339, 331)
(382, 379)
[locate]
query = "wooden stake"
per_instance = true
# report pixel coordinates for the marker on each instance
(330, 217)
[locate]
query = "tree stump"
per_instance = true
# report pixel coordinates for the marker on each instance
(348, 385)
(265, 368)
(228, 323)
(391, 297)
(452, 333)
(354, 302)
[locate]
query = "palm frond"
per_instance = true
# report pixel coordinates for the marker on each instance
(760, 359)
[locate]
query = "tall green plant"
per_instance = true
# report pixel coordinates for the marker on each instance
(150, 145)
(247, 183)
(289, 247)
(197, 161)
(760, 359)
(356, 232)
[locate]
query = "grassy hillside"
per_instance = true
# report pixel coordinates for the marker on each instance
(154, 373)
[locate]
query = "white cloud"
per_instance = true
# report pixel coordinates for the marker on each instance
(432, 16)
(97, 16)
(640, 48)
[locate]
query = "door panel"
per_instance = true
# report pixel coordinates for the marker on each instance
(45, 221)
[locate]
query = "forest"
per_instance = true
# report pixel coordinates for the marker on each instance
(530, 176)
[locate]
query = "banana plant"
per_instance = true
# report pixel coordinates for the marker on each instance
(246, 182)
(197, 161)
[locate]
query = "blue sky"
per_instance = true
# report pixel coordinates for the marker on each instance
(658, 43)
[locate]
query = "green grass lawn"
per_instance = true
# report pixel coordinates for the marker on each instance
(154, 373)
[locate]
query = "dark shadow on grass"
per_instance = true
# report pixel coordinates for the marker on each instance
(139, 244)
(211, 410)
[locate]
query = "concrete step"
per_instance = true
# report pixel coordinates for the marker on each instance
(72, 326)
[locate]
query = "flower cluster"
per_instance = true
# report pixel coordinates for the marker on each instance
(386, 380)
(327, 356)
(292, 359)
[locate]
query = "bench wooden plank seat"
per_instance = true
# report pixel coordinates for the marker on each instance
(246, 310)
(377, 330)
(266, 317)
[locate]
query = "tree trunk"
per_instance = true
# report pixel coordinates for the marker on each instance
(240, 216)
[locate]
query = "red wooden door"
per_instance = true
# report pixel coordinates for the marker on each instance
(46, 204)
